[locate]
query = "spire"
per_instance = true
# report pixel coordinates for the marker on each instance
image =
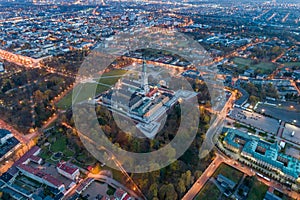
(144, 82)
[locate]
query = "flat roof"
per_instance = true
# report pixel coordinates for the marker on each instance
(288, 164)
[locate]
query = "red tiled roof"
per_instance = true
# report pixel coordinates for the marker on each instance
(126, 197)
(83, 184)
(27, 155)
(70, 169)
(152, 92)
(35, 158)
(119, 193)
(41, 174)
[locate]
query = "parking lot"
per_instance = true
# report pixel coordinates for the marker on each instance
(288, 112)
(96, 190)
(287, 133)
(255, 120)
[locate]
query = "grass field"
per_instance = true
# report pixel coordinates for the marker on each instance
(229, 172)
(85, 89)
(208, 192)
(257, 191)
(291, 64)
(266, 67)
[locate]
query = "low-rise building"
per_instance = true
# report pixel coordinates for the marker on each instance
(1, 67)
(8, 144)
(263, 153)
(226, 182)
(41, 177)
(122, 195)
(271, 196)
(68, 170)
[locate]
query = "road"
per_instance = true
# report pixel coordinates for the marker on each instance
(113, 158)
(111, 181)
(262, 14)
(195, 189)
(19, 59)
(272, 16)
(215, 128)
(293, 83)
(235, 52)
(26, 145)
(17, 135)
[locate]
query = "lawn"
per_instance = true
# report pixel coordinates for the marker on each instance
(266, 67)
(229, 172)
(257, 191)
(208, 192)
(66, 102)
(291, 64)
(60, 145)
(110, 191)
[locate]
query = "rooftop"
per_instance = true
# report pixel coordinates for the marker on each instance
(33, 151)
(47, 177)
(4, 132)
(67, 167)
(264, 151)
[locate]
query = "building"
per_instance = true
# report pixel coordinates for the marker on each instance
(249, 72)
(5, 135)
(263, 153)
(8, 144)
(142, 102)
(84, 185)
(41, 177)
(271, 196)
(29, 156)
(226, 182)
(22, 168)
(68, 170)
(243, 99)
(1, 67)
(122, 195)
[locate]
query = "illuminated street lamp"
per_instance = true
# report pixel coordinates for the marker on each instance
(263, 110)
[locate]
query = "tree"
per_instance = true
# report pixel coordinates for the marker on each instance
(7, 86)
(189, 178)
(167, 191)
(38, 95)
(181, 186)
(153, 191)
(253, 99)
(197, 174)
